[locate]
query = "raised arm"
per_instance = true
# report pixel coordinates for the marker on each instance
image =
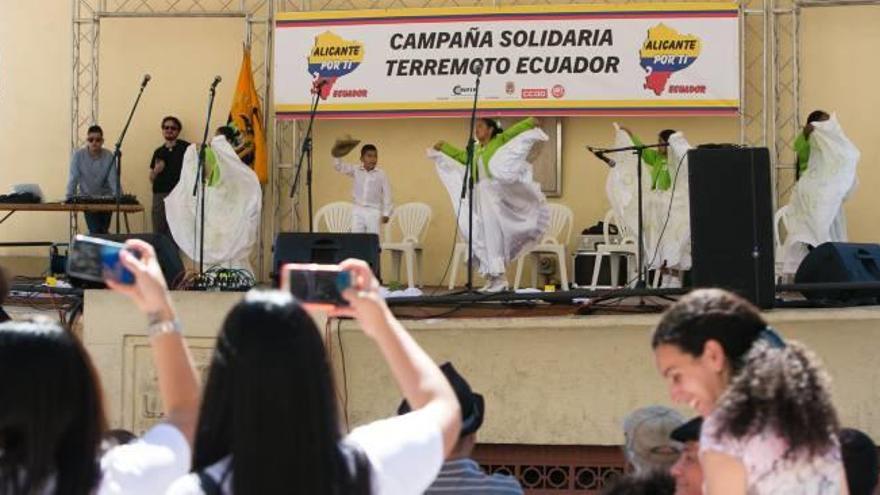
(802, 149)
(178, 380)
(452, 152)
(650, 156)
(660, 178)
(517, 129)
(343, 168)
(419, 379)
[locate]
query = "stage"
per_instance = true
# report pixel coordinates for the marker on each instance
(561, 379)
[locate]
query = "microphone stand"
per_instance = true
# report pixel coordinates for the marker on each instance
(467, 186)
(117, 151)
(306, 152)
(202, 179)
(638, 150)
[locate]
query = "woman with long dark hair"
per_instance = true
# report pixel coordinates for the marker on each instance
(270, 422)
(770, 426)
(52, 415)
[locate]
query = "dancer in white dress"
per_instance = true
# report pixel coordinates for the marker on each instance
(667, 216)
(510, 211)
(815, 211)
(233, 201)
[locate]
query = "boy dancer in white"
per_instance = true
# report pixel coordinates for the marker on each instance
(370, 191)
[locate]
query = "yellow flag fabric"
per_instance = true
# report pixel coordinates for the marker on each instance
(246, 118)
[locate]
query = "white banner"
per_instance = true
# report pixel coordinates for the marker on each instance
(627, 59)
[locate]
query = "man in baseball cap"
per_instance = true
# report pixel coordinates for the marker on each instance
(687, 471)
(646, 432)
(461, 474)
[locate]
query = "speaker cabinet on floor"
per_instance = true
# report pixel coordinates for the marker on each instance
(732, 221)
(841, 262)
(325, 248)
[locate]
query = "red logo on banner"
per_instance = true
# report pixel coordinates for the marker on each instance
(558, 91)
(533, 93)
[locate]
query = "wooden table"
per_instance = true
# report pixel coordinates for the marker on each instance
(72, 209)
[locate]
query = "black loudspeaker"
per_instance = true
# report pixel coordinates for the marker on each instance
(583, 271)
(166, 252)
(325, 248)
(841, 262)
(732, 221)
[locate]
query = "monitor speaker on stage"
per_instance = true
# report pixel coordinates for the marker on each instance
(841, 262)
(326, 248)
(166, 252)
(732, 221)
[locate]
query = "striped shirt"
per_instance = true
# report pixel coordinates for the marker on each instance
(465, 476)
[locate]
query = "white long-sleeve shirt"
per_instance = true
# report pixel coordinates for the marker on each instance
(370, 189)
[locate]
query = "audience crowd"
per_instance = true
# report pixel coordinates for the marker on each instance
(267, 419)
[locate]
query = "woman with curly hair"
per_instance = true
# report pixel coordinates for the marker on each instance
(770, 425)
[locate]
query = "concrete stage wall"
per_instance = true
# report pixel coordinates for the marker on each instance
(547, 380)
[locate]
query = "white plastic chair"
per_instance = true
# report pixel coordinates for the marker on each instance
(412, 220)
(613, 249)
(336, 216)
(555, 242)
(778, 218)
(459, 257)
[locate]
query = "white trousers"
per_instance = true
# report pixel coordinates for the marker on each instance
(365, 220)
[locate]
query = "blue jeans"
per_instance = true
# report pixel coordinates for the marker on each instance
(99, 223)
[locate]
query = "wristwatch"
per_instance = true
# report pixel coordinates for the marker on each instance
(163, 326)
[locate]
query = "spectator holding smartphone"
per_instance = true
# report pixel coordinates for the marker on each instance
(51, 411)
(269, 421)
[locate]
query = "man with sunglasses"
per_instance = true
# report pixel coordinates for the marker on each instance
(92, 174)
(165, 169)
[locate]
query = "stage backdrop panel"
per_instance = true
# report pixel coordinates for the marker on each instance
(642, 59)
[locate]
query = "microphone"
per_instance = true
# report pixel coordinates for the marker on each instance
(145, 81)
(600, 154)
(317, 84)
(214, 84)
(477, 68)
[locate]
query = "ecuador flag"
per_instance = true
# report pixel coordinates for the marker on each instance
(246, 118)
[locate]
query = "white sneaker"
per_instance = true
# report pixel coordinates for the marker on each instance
(497, 283)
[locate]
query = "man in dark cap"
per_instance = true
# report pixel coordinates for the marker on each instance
(687, 471)
(461, 474)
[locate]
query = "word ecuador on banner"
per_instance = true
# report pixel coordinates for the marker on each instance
(627, 59)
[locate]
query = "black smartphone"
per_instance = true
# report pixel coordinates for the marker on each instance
(316, 285)
(90, 258)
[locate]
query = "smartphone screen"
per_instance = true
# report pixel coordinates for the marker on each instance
(318, 286)
(95, 259)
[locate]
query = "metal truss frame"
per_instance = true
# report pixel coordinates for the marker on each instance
(86, 15)
(786, 97)
(258, 16)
